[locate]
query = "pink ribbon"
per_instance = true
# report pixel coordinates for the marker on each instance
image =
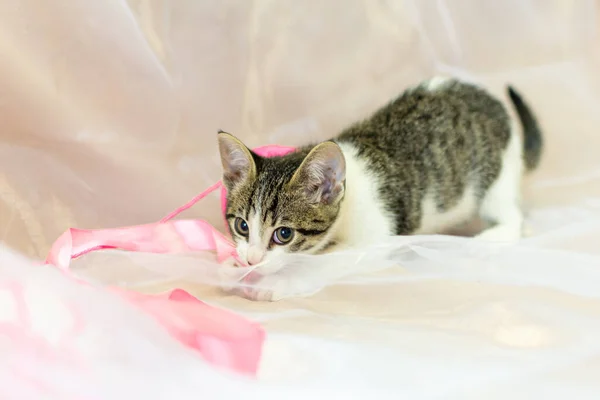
(221, 337)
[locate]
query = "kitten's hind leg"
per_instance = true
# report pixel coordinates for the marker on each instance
(501, 204)
(508, 227)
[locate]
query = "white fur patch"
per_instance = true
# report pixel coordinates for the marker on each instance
(256, 246)
(362, 219)
(437, 83)
(254, 225)
(501, 204)
(434, 221)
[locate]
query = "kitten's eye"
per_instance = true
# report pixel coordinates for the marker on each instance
(241, 227)
(283, 235)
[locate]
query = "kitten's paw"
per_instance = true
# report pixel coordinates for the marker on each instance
(501, 233)
(266, 288)
(250, 284)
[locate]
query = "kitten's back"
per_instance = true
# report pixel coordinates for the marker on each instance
(434, 143)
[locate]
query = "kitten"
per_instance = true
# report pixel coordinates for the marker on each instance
(432, 159)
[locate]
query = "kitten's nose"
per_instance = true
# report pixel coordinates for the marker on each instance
(255, 255)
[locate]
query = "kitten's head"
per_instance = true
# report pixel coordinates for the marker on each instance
(281, 204)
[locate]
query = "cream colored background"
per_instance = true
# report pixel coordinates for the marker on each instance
(108, 115)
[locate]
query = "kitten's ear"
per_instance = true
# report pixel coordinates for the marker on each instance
(322, 174)
(237, 161)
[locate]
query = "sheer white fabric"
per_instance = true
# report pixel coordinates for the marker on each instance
(109, 111)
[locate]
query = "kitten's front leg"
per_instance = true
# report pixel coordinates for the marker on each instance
(249, 283)
(297, 280)
(267, 288)
(288, 280)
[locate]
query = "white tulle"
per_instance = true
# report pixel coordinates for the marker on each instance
(109, 115)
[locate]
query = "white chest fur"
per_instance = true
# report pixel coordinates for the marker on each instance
(363, 219)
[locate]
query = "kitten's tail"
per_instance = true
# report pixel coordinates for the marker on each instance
(533, 141)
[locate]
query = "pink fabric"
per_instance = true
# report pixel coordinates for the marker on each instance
(33, 346)
(222, 338)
